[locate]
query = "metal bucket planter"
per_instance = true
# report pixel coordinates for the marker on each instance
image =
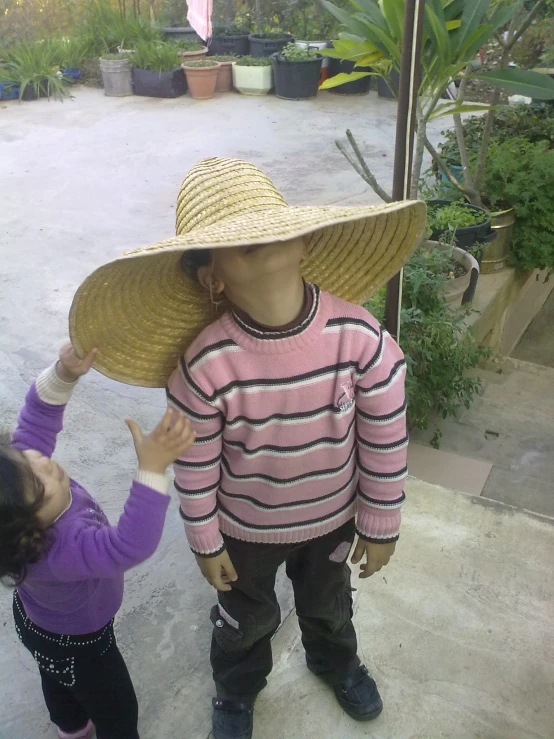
(495, 256)
(116, 75)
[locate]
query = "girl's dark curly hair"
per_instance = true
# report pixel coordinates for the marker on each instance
(23, 538)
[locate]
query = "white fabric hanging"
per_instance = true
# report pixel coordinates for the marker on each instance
(199, 15)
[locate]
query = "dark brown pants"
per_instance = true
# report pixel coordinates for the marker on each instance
(248, 616)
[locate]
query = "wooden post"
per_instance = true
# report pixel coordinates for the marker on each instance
(410, 70)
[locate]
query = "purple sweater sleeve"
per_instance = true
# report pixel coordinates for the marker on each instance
(81, 552)
(38, 424)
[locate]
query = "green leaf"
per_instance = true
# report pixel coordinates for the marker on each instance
(456, 108)
(520, 82)
(342, 78)
(501, 16)
(372, 12)
(454, 9)
(347, 19)
(393, 11)
(472, 17)
(453, 25)
(382, 41)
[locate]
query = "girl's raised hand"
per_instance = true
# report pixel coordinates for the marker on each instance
(70, 365)
(171, 437)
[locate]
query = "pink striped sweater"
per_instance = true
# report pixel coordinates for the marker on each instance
(297, 431)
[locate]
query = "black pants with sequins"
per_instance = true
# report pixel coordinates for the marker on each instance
(84, 678)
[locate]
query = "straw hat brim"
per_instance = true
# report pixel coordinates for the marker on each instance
(142, 311)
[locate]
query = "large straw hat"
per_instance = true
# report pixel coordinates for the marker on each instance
(142, 310)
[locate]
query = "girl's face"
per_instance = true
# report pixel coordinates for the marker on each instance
(240, 266)
(55, 481)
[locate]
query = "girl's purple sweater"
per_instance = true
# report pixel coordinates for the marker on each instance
(77, 585)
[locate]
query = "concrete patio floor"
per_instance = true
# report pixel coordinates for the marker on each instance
(86, 180)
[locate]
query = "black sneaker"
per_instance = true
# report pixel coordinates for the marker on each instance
(232, 720)
(358, 695)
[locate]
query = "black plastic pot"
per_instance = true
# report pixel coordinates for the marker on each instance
(227, 45)
(261, 46)
(296, 80)
(159, 84)
(180, 33)
(357, 87)
(388, 89)
(468, 236)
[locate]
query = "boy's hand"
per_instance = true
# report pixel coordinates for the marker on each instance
(218, 571)
(377, 556)
(171, 437)
(70, 366)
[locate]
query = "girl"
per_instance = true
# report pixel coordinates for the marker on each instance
(67, 562)
(298, 398)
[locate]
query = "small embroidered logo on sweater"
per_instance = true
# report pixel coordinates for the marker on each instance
(345, 401)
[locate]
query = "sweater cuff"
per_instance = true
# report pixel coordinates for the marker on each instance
(51, 390)
(153, 480)
(377, 525)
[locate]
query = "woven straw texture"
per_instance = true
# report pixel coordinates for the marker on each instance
(142, 311)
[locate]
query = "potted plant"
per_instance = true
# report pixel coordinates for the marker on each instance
(313, 28)
(225, 72)
(230, 40)
(296, 72)
(116, 75)
(253, 75)
(467, 224)
(267, 44)
(462, 271)
(201, 78)
(73, 52)
(34, 68)
(157, 71)
(358, 81)
(190, 50)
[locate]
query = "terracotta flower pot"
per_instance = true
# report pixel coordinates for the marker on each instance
(224, 77)
(202, 81)
(192, 56)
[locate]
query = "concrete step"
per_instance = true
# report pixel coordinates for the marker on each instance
(510, 426)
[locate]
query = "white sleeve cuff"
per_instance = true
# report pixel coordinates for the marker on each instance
(50, 389)
(153, 480)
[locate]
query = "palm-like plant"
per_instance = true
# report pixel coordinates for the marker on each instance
(454, 32)
(35, 67)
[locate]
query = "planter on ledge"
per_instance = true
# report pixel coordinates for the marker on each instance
(495, 256)
(459, 290)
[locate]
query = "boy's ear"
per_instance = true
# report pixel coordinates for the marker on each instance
(209, 281)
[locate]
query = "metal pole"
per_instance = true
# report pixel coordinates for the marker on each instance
(410, 72)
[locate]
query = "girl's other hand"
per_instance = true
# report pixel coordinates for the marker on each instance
(169, 440)
(70, 366)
